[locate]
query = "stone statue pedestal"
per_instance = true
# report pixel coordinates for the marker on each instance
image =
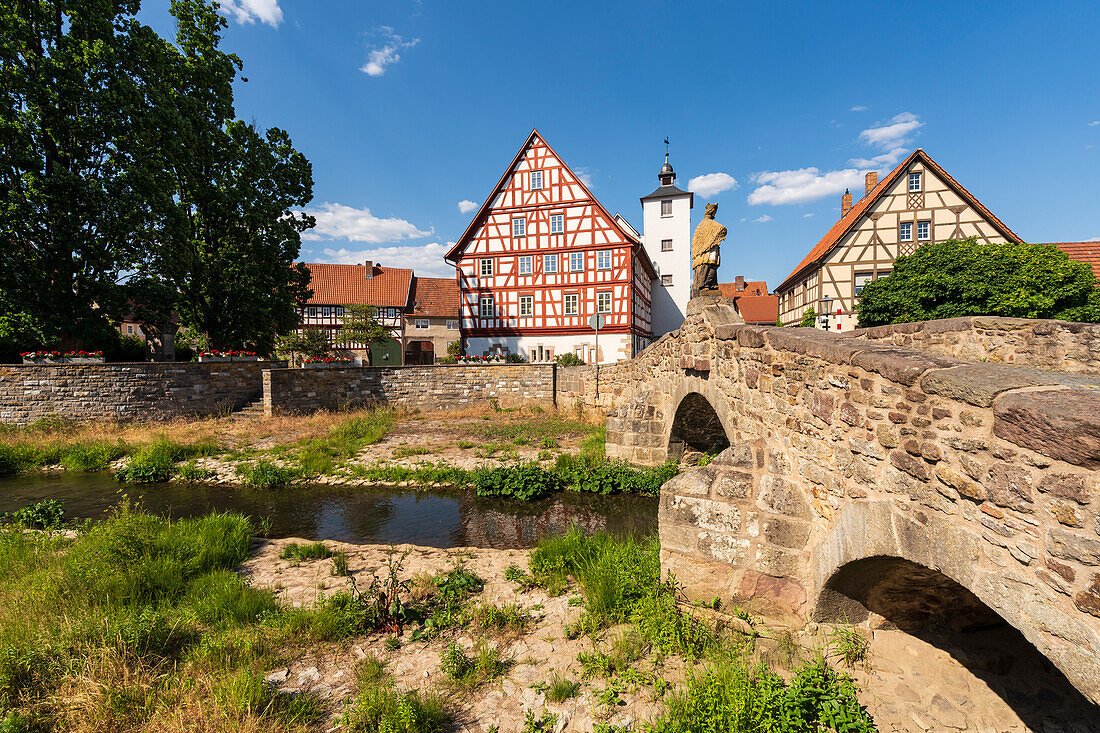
(706, 299)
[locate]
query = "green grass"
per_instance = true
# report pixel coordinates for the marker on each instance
(425, 474)
(470, 673)
(308, 551)
(156, 462)
(322, 456)
(535, 429)
(561, 689)
(379, 708)
(265, 474)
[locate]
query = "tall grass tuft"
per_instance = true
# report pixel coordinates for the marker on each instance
(378, 706)
(156, 462)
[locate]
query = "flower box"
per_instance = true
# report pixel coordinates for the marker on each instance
(222, 356)
(215, 358)
(328, 361)
(62, 357)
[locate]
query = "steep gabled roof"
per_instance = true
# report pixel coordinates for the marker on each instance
(453, 254)
(435, 297)
(752, 287)
(849, 221)
(1088, 252)
(389, 287)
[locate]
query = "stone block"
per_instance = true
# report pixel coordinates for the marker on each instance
(909, 464)
(900, 365)
(1088, 600)
(783, 497)
(732, 485)
(1061, 423)
(1062, 543)
(1068, 486)
(739, 456)
(693, 482)
(777, 562)
(1011, 486)
(704, 513)
(978, 384)
(788, 533)
(723, 548)
(963, 486)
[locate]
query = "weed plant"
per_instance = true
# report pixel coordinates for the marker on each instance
(264, 474)
(561, 689)
(379, 708)
(470, 673)
(45, 514)
(298, 552)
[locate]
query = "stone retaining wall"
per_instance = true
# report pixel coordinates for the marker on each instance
(1060, 345)
(423, 387)
(139, 391)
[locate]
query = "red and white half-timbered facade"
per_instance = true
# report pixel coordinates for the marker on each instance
(541, 257)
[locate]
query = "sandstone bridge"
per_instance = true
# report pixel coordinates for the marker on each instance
(858, 480)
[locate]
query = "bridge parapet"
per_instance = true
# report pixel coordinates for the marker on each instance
(861, 477)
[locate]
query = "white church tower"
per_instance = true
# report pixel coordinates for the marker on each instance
(666, 223)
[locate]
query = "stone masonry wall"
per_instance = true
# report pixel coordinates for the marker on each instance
(844, 450)
(139, 391)
(424, 387)
(1060, 345)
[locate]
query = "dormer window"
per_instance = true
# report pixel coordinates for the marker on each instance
(666, 207)
(519, 226)
(536, 180)
(914, 181)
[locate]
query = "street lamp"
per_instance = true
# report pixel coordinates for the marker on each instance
(824, 303)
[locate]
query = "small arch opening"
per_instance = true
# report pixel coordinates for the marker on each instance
(696, 430)
(896, 596)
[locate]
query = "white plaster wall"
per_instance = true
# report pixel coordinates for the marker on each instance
(669, 303)
(615, 346)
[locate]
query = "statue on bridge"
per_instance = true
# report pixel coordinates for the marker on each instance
(708, 236)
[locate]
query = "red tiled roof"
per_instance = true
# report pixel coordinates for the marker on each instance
(349, 285)
(849, 220)
(762, 310)
(436, 297)
(1084, 251)
(752, 287)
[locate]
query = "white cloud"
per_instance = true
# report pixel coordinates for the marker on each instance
(336, 221)
(801, 185)
(387, 53)
(1094, 123)
(886, 160)
(249, 11)
(762, 219)
(1094, 239)
(466, 206)
(587, 175)
(859, 108)
(426, 260)
(711, 184)
(807, 216)
(892, 134)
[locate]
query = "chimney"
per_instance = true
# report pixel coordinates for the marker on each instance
(370, 269)
(739, 282)
(845, 203)
(869, 182)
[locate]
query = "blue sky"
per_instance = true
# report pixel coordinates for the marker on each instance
(408, 108)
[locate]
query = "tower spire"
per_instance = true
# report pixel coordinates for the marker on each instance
(667, 175)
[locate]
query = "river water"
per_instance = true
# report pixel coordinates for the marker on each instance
(437, 518)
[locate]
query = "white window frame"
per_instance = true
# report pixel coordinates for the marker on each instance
(924, 231)
(526, 265)
(529, 302)
(422, 324)
(452, 324)
(604, 296)
(861, 280)
(557, 223)
(666, 280)
(486, 266)
(339, 311)
(666, 207)
(129, 330)
(601, 256)
(483, 301)
(549, 264)
(312, 311)
(572, 264)
(326, 312)
(519, 227)
(571, 304)
(666, 245)
(914, 181)
(536, 176)
(905, 231)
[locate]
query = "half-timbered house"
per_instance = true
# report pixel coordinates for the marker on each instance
(541, 257)
(915, 204)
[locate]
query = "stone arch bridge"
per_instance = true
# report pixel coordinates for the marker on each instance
(856, 479)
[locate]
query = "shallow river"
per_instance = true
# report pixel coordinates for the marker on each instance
(355, 514)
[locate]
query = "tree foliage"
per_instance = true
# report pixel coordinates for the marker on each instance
(126, 183)
(963, 278)
(361, 326)
(809, 319)
(309, 342)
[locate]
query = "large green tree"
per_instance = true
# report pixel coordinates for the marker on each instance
(965, 278)
(86, 118)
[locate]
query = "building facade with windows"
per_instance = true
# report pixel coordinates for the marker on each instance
(432, 322)
(916, 203)
(666, 221)
(540, 258)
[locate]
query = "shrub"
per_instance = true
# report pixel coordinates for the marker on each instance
(471, 673)
(569, 359)
(264, 474)
(526, 481)
(45, 514)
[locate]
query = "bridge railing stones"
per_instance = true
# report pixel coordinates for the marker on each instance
(843, 449)
(1042, 344)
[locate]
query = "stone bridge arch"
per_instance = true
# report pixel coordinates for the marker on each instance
(857, 469)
